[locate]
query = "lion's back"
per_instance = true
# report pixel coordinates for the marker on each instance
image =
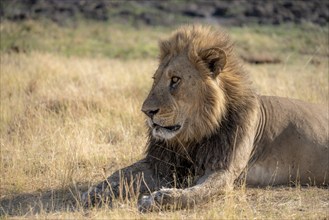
(307, 119)
(293, 144)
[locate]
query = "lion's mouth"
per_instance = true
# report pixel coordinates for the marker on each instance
(168, 128)
(164, 132)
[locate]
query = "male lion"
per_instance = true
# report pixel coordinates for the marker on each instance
(207, 128)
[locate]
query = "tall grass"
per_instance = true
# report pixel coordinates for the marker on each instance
(69, 121)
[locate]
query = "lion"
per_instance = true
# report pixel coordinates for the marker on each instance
(208, 129)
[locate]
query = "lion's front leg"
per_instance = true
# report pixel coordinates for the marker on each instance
(103, 193)
(136, 179)
(207, 186)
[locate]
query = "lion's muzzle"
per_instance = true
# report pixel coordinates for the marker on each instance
(164, 132)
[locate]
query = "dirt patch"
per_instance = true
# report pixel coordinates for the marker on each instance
(260, 58)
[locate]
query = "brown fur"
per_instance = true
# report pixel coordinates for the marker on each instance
(207, 125)
(224, 121)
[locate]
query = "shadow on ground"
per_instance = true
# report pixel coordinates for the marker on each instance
(25, 204)
(297, 200)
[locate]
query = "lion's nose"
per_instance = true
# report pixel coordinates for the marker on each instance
(150, 112)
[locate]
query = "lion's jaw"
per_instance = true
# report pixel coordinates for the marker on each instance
(160, 131)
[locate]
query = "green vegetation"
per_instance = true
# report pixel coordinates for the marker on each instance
(90, 39)
(82, 39)
(284, 39)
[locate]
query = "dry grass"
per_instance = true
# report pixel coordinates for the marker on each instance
(66, 123)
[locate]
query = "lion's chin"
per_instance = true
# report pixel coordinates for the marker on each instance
(165, 132)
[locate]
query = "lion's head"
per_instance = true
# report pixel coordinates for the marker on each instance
(197, 80)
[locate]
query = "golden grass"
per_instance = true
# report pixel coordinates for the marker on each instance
(66, 123)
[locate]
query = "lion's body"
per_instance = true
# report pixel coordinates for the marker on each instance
(293, 144)
(208, 128)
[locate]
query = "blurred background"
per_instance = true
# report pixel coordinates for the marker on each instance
(101, 25)
(169, 12)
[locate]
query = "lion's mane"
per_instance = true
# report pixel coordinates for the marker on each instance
(215, 149)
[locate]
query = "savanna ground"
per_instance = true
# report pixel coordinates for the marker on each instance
(70, 115)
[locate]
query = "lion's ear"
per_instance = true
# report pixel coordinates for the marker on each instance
(215, 59)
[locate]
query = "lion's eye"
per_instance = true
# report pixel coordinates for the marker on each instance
(174, 81)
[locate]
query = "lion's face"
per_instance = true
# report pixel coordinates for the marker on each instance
(172, 98)
(186, 99)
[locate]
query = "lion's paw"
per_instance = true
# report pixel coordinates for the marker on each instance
(158, 200)
(152, 202)
(146, 204)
